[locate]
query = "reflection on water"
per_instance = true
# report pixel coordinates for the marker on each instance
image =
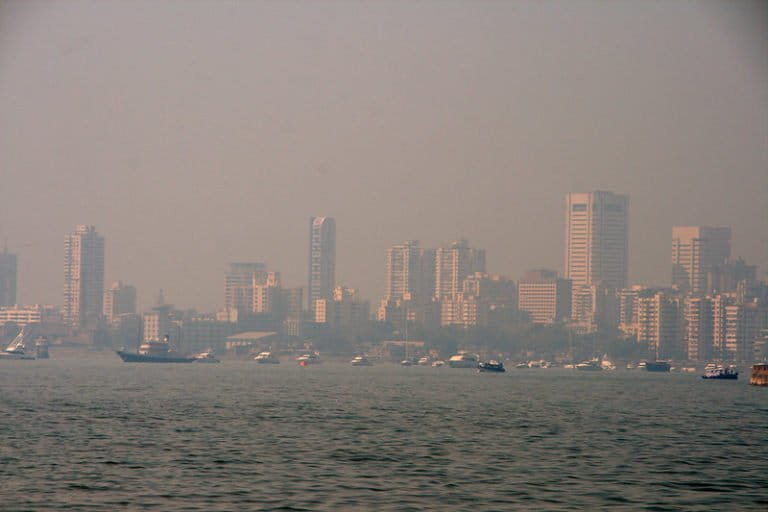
(103, 435)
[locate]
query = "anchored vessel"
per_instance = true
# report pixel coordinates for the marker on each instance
(589, 366)
(720, 372)
(657, 366)
(759, 375)
(307, 359)
(206, 357)
(463, 360)
(491, 366)
(360, 361)
(154, 352)
(266, 358)
(15, 350)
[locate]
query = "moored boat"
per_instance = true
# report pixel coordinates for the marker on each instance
(658, 366)
(463, 360)
(16, 349)
(589, 366)
(154, 351)
(206, 357)
(360, 360)
(759, 375)
(266, 358)
(719, 372)
(308, 359)
(491, 366)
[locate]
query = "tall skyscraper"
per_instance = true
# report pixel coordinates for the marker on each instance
(596, 239)
(696, 251)
(83, 277)
(322, 260)
(7, 278)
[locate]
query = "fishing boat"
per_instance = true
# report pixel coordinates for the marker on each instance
(15, 350)
(719, 372)
(491, 366)
(155, 351)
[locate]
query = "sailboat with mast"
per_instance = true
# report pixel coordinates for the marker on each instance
(16, 349)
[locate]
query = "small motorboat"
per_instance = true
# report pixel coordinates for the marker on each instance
(360, 361)
(266, 358)
(491, 366)
(720, 372)
(206, 357)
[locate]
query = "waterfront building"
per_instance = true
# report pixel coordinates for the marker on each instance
(453, 263)
(29, 315)
(239, 282)
(119, 299)
(698, 337)
(659, 323)
(743, 324)
(545, 297)
(697, 251)
(322, 260)
(627, 305)
(83, 277)
(7, 278)
(343, 311)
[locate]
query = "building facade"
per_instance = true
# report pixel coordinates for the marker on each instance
(119, 299)
(322, 260)
(83, 278)
(696, 252)
(544, 296)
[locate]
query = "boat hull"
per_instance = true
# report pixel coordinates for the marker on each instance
(10, 356)
(130, 357)
(720, 377)
(658, 366)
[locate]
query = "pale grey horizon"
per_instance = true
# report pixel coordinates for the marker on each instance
(193, 134)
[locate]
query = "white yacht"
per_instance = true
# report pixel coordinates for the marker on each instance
(438, 364)
(266, 358)
(463, 360)
(206, 357)
(425, 361)
(360, 361)
(15, 350)
(589, 366)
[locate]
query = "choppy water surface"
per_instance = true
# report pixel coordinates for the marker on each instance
(98, 434)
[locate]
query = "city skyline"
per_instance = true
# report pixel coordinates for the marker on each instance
(384, 121)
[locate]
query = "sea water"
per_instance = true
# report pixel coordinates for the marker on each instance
(94, 433)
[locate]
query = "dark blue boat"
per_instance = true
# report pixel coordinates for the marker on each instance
(657, 366)
(491, 366)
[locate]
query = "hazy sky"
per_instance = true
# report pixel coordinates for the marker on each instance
(195, 133)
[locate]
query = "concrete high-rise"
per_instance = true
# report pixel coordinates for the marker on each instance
(596, 246)
(239, 282)
(696, 251)
(402, 270)
(7, 278)
(83, 277)
(119, 299)
(453, 263)
(322, 260)
(596, 239)
(544, 297)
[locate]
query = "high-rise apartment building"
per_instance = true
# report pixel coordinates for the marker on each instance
(698, 328)
(659, 323)
(83, 277)
(119, 299)
(402, 270)
(239, 282)
(596, 239)
(7, 278)
(453, 263)
(544, 297)
(322, 260)
(696, 251)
